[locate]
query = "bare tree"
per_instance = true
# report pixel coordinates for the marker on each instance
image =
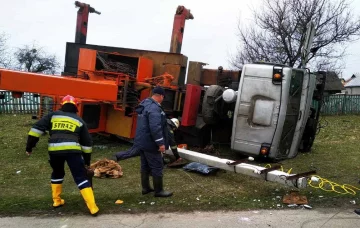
(5, 59)
(279, 28)
(35, 59)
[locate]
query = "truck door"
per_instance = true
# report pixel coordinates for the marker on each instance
(309, 83)
(292, 113)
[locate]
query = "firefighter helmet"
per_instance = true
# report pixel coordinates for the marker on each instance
(175, 122)
(69, 99)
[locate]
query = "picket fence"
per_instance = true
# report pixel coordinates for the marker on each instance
(29, 103)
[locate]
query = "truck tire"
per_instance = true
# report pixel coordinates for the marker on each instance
(209, 107)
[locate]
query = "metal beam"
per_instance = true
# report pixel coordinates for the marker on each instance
(243, 168)
(19, 81)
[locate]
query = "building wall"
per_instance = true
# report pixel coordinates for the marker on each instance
(353, 90)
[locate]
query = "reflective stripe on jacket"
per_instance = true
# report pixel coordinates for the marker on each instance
(68, 132)
(171, 137)
(151, 124)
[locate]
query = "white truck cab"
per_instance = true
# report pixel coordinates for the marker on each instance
(272, 107)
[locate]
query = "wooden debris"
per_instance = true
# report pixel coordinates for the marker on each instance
(107, 169)
(295, 198)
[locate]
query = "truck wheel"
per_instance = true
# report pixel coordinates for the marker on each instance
(210, 108)
(307, 145)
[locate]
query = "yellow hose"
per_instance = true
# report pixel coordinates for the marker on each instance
(322, 183)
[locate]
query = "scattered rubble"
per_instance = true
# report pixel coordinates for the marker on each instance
(292, 205)
(119, 202)
(244, 219)
(295, 198)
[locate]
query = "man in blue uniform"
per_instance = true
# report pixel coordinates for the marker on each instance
(151, 139)
(69, 141)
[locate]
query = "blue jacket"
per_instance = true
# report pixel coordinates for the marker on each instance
(151, 126)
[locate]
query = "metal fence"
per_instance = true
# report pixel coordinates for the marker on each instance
(27, 104)
(341, 104)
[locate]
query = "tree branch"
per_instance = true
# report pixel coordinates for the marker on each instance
(278, 32)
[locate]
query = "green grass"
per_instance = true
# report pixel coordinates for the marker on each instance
(335, 156)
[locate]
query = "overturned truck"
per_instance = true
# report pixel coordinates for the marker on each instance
(272, 111)
(263, 110)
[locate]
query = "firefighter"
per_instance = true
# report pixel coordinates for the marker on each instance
(151, 139)
(69, 141)
(172, 125)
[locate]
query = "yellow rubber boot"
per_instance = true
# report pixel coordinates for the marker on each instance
(56, 191)
(88, 195)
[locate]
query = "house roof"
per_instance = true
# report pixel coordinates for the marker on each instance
(333, 82)
(344, 82)
(348, 80)
(353, 83)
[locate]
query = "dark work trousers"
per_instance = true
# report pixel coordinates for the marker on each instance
(132, 152)
(152, 162)
(76, 165)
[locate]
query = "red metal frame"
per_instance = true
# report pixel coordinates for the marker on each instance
(87, 63)
(103, 111)
(145, 69)
(82, 21)
(191, 105)
(182, 14)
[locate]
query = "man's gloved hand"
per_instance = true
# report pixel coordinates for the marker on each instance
(28, 150)
(30, 144)
(89, 172)
(87, 158)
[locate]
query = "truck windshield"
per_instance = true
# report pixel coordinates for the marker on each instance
(292, 112)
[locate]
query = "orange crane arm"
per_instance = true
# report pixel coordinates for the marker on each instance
(18, 81)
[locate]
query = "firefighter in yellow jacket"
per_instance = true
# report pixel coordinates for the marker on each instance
(69, 141)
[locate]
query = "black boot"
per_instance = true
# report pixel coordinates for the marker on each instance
(357, 211)
(158, 186)
(145, 183)
(113, 158)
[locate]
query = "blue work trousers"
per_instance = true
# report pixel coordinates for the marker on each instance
(77, 167)
(132, 152)
(152, 162)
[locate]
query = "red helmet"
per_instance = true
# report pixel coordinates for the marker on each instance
(69, 99)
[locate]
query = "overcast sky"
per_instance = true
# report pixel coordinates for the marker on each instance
(140, 24)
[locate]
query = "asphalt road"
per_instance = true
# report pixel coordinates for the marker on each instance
(262, 218)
